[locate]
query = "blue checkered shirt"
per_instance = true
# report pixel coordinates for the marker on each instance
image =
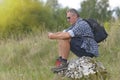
(80, 29)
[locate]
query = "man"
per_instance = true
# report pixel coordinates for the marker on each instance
(78, 38)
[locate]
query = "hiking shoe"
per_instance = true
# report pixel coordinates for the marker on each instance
(62, 66)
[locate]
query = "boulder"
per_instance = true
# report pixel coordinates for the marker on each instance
(84, 67)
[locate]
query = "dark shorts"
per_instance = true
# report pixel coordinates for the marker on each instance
(75, 47)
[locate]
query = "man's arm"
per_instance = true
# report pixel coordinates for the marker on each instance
(59, 35)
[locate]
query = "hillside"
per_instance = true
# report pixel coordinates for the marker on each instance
(32, 57)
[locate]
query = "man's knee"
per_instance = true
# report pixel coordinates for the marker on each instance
(64, 41)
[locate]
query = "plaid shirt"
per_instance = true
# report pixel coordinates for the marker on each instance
(80, 29)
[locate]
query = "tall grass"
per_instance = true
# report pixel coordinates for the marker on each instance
(27, 59)
(110, 52)
(32, 57)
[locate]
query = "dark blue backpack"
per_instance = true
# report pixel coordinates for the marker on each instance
(99, 31)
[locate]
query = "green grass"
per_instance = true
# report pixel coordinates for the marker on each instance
(32, 57)
(110, 52)
(27, 59)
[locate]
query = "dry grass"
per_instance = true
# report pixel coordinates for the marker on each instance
(32, 57)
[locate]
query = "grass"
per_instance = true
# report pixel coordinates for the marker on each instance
(32, 57)
(27, 59)
(110, 52)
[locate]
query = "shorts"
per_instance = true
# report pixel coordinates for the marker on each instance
(75, 47)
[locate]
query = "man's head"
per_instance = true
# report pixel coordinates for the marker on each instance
(72, 16)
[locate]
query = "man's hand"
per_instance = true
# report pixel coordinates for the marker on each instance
(50, 35)
(59, 35)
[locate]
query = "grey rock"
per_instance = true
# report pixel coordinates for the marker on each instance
(81, 67)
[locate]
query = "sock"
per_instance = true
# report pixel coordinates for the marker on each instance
(60, 57)
(65, 60)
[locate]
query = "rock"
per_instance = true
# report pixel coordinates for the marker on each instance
(81, 67)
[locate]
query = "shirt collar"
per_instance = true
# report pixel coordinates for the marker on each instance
(79, 19)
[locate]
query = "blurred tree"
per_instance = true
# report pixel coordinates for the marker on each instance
(53, 4)
(103, 10)
(117, 11)
(58, 14)
(88, 8)
(98, 9)
(22, 16)
(60, 18)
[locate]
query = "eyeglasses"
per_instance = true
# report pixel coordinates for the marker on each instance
(68, 17)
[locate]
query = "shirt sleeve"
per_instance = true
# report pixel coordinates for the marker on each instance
(71, 33)
(64, 30)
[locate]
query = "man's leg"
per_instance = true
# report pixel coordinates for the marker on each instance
(64, 48)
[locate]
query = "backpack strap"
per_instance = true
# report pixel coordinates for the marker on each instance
(90, 27)
(89, 37)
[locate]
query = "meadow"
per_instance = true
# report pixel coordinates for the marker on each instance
(32, 57)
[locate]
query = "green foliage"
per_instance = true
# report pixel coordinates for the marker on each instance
(25, 59)
(60, 20)
(32, 57)
(21, 17)
(117, 11)
(97, 9)
(88, 7)
(110, 51)
(58, 16)
(53, 4)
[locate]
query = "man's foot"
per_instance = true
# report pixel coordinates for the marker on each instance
(58, 62)
(60, 65)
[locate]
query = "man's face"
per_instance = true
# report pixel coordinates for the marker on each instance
(71, 18)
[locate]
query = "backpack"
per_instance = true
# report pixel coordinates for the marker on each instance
(99, 31)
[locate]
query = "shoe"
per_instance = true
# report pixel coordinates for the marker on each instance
(62, 66)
